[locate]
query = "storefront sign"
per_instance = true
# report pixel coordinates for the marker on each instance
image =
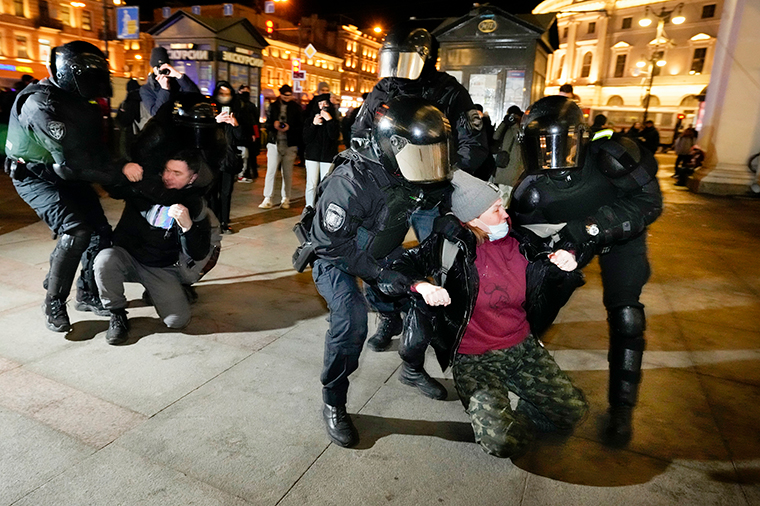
(189, 54)
(242, 59)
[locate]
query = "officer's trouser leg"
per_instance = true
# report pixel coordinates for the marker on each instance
(347, 332)
(625, 270)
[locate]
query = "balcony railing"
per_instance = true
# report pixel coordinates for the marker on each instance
(48, 22)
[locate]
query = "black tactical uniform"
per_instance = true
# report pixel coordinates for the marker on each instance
(362, 216)
(407, 68)
(56, 147)
(606, 204)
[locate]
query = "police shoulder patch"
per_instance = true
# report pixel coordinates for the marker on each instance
(57, 130)
(335, 217)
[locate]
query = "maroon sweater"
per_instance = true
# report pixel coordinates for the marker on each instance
(499, 320)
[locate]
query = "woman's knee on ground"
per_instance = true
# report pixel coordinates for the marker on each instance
(498, 430)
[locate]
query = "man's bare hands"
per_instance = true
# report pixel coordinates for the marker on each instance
(182, 216)
(133, 172)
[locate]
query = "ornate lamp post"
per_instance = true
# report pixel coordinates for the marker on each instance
(655, 60)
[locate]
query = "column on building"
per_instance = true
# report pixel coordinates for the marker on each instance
(730, 133)
(569, 72)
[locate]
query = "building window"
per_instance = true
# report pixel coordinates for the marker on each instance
(620, 65)
(561, 66)
(135, 45)
(586, 66)
(21, 50)
(708, 11)
(64, 15)
(18, 8)
(87, 21)
(592, 27)
(698, 61)
(627, 22)
(564, 33)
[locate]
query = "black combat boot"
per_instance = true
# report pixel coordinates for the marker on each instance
(340, 428)
(418, 377)
(390, 325)
(88, 301)
(56, 317)
(118, 327)
(619, 428)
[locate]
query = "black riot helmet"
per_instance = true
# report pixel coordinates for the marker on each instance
(80, 67)
(553, 135)
(411, 138)
(406, 50)
(196, 124)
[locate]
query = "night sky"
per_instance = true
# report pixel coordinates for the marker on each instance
(364, 13)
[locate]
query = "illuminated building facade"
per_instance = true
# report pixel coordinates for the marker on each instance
(608, 57)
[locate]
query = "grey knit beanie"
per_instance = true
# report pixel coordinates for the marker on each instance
(471, 196)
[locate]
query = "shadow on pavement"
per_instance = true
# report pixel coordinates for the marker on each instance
(373, 428)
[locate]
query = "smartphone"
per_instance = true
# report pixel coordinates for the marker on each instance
(226, 108)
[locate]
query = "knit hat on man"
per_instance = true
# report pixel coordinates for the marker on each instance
(471, 196)
(322, 85)
(158, 56)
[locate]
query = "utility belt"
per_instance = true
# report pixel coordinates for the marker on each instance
(305, 253)
(19, 170)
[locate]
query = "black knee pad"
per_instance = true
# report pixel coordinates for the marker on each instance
(73, 242)
(627, 322)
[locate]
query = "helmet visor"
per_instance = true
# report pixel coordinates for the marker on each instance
(406, 65)
(426, 163)
(560, 151)
(92, 77)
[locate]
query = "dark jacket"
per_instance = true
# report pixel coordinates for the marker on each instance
(60, 135)
(362, 215)
(443, 90)
(547, 288)
(235, 135)
(321, 141)
(649, 137)
(294, 119)
(154, 246)
(154, 96)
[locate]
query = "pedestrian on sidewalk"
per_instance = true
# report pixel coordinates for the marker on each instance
(683, 146)
(321, 132)
(251, 136)
(284, 130)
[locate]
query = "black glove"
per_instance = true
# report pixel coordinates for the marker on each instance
(502, 158)
(393, 283)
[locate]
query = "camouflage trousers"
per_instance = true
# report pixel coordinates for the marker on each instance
(548, 400)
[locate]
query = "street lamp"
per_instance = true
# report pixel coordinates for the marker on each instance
(661, 38)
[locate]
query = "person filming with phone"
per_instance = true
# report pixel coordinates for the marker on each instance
(164, 82)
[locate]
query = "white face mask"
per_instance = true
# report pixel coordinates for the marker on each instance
(496, 232)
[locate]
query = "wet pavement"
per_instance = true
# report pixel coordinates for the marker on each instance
(228, 410)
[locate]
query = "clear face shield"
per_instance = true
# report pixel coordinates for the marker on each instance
(560, 151)
(426, 163)
(406, 65)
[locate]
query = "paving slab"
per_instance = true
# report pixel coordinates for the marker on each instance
(32, 453)
(117, 476)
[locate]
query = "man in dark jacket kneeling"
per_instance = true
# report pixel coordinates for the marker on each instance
(154, 243)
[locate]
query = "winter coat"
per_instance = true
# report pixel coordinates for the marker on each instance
(321, 141)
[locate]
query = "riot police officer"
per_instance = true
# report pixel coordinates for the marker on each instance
(361, 219)
(56, 147)
(604, 190)
(407, 68)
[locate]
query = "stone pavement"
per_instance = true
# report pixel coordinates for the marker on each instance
(227, 412)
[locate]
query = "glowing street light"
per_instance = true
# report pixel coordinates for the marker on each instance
(378, 29)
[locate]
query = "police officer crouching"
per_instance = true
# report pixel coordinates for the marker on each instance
(362, 217)
(55, 149)
(597, 195)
